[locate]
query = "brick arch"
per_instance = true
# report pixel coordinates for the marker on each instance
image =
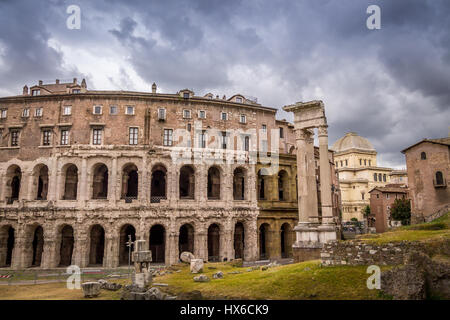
(96, 244)
(8, 235)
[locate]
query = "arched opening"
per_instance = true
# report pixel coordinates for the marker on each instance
(264, 230)
(100, 182)
(286, 240)
(283, 185)
(14, 178)
(239, 184)
(66, 249)
(292, 150)
(41, 179)
(130, 182)
(158, 243)
(214, 243)
(239, 243)
(186, 239)
(213, 183)
(423, 156)
(158, 184)
(187, 182)
(71, 183)
(126, 232)
(38, 246)
(262, 175)
(97, 245)
(439, 178)
(7, 239)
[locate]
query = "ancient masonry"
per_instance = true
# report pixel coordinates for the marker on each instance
(82, 170)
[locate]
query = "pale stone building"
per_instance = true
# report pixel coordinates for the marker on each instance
(82, 170)
(356, 163)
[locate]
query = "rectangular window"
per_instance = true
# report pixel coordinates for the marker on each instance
(189, 127)
(246, 143)
(97, 110)
(38, 112)
(238, 99)
(224, 139)
(76, 91)
(264, 128)
(281, 132)
(384, 178)
(134, 136)
(67, 110)
(346, 162)
(243, 118)
(14, 138)
(224, 116)
(162, 114)
(186, 114)
(46, 137)
(387, 195)
(360, 162)
(370, 163)
(112, 109)
(365, 162)
(168, 137)
(3, 113)
(64, 137)
(202, 139)
(36, 92)
(26, 113)
(186, 95)
(97, 136)
(202, 114)
(130, 110)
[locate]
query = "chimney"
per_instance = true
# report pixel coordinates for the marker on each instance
(224, 97)
(83, 83)
(74, 80)
(57, 81)
(154, 87)
(40, 82)
(25, 90)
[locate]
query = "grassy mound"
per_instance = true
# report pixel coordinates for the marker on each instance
(436, 230)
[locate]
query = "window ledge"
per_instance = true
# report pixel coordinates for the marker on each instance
(64, 146)
(45, 147)
(9, 148)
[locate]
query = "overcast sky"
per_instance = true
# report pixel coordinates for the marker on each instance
(391, 85)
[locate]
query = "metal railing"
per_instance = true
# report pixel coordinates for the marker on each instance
(157, 199)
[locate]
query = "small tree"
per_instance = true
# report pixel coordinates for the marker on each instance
(401, 211)
(366, 214)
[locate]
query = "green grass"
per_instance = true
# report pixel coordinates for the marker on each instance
(434, 231)
(306, 280)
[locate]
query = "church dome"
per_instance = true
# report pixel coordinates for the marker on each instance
(352, 141)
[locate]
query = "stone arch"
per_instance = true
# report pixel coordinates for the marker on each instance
(157, 243)
(263, 173)
(214, 183)
(264, 241)
(100, 176)
(40, 182)
(292, 150)
(96, 245)
(35, 245)
(187, 182)
(13, 183)
(283, 185)
(239, 183)
(67, 243)
(70, 176)
(286, 240)
(239, 240)
(214, 242)
(126, 231)
(130, 181)
(186, 239)
(7, 242)
(158, 188)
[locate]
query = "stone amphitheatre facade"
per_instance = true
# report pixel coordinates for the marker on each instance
(81, 171)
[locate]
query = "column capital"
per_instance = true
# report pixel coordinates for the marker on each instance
(323, 130)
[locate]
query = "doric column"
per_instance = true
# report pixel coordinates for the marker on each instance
(325, 175)
(201, 245)
(251, 240)
(49, 251)
(83, 185)
(53, 180)
(2, 185)
(143, 182)
(311, 178)
(114, 182)
(28, 177)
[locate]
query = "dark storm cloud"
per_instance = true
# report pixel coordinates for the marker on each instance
(390, 85)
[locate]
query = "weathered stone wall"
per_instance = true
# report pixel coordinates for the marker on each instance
(356, 252)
